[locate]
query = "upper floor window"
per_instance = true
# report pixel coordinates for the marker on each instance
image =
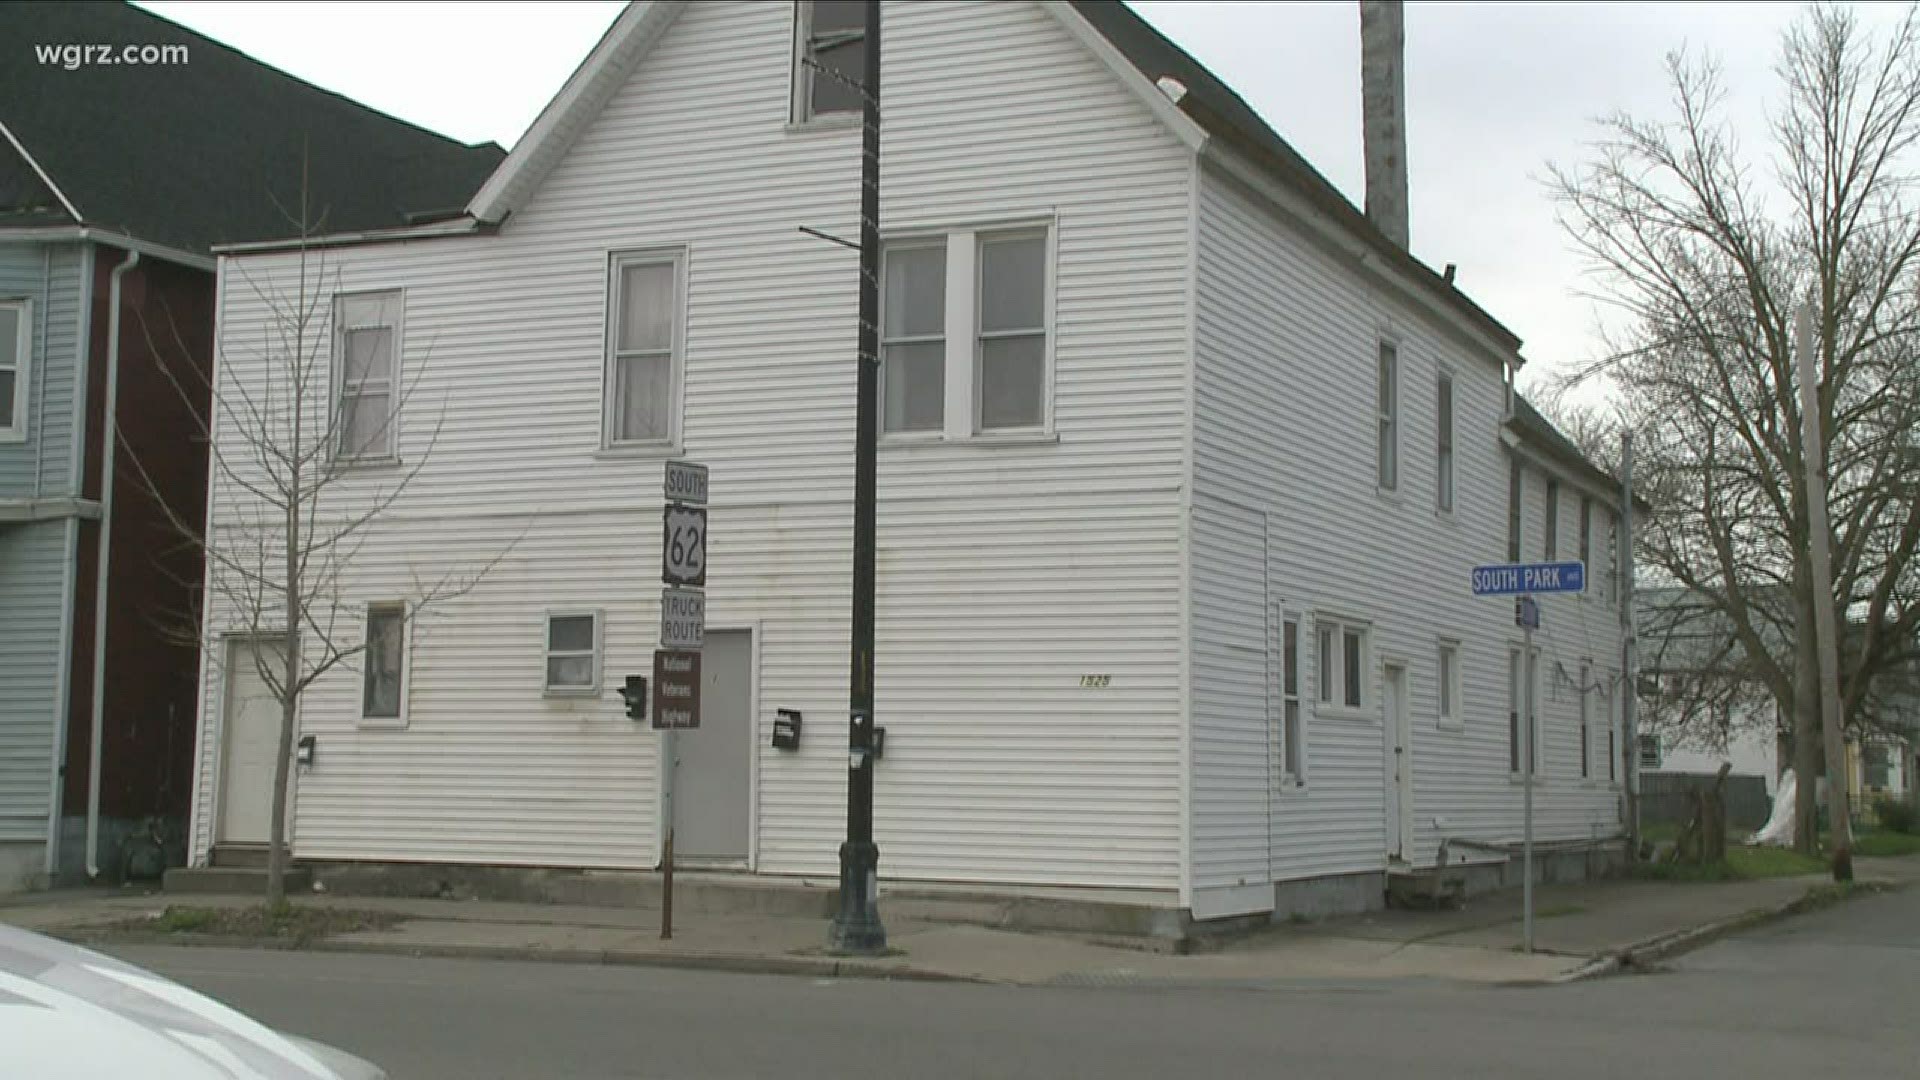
(913, 336)
(964, 333)
(1515, 488)
(1388, 390)
(1013, 330)
(1586, 531)
(644, 348)
(1443, 417)
(1550, 544)
(829, 73)
(367, 361)
(16, 345)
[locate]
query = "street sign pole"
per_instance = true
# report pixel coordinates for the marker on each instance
(683, 627)
(1526, 781)
(667, 747)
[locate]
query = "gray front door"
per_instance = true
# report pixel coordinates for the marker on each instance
(713, 787)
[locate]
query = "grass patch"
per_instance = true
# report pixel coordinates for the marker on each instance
(1880, 845)
(1742, 864)
(289, 922)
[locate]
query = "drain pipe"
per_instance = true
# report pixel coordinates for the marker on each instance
(110, 442)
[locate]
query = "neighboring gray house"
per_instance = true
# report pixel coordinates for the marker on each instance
(115, 183)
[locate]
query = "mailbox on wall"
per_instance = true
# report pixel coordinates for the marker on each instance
(786, 729)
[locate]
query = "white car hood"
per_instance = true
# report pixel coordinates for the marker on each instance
(70, 1012)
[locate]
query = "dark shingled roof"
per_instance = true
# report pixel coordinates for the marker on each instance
(206, 152)
(1225, 116)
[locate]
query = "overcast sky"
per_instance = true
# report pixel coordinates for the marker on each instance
(1494, 92)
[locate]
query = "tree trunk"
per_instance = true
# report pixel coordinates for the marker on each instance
(282, 766)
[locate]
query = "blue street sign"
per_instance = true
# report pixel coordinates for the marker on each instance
(1507, 579)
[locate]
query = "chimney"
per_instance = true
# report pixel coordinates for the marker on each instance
(1383, 107)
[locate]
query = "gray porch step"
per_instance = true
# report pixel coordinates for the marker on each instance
(232, 880)
(251, 856)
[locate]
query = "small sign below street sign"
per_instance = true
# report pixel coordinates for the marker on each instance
(1507, 579)
(683, 546)
(676, 689)
(683, 618)
(686, 483)
(1526, 613)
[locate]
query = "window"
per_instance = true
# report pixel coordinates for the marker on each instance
(16, 346)
(573, 652)
(1550, 545)
(1522, 702)
(830, 35)
(913, 337)
(384, 667)
(1448, 690)
(643, 349)
(1515, 703)
(1613, 556)
(1650, 756)
(1290, 735)
(1343, 657)
(1514, 491)
(1613, 749)
(1013, 330)
(366, 359)
(1586, 531)
(1388, 386)
(1586, 734)
(1444, 419)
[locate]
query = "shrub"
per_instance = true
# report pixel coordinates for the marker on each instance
(1896, 816)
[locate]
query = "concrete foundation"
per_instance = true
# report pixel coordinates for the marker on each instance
(114, 835)
(23, 866)
(1325, 897)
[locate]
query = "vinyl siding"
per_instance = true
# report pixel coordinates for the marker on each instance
(32, 556)
(1006, 572)
(1285, 434)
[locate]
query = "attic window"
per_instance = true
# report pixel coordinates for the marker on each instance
(829, 57)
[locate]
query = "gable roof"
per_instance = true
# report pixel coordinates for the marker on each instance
(206, 152)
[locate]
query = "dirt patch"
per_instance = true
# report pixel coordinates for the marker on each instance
(291, 923)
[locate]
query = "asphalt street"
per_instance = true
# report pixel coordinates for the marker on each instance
(1828, 994)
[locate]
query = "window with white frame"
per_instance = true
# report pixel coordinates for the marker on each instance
(1292, 761)
(964, 333)
(644, 347)
(367, 365)
(1586, 731)
(913, 336)
(383, 689)
(1343, 663)
(1443, 416)
(1013, 330)
(1516, 702)
(1586, 532)
(1515, 488)
(830, 59)
(1550, 543)
(573, 652)
(1448, 680)
(1523, 709)
(1387, 385)
(1615, 721)
(16, 346)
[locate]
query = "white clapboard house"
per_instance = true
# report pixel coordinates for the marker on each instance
(1183, 468)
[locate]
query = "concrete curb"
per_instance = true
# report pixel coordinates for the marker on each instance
(1645, 953)
(823, 967)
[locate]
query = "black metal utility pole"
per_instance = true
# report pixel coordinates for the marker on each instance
(857, 929)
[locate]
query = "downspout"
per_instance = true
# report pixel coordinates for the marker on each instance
(109, 443)
(70, 561)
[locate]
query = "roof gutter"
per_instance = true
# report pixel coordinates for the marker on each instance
(54, 234)
(104, 561)
(460, 226)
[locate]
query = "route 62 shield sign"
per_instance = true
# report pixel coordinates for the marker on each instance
(683, 546)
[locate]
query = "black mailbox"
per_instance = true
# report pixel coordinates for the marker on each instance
(786, 729)
(879, 743)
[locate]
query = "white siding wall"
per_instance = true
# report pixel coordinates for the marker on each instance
(1285, 432)
(1006, 572)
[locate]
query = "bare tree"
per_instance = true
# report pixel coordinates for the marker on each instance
(292, 418)
(1701, 255)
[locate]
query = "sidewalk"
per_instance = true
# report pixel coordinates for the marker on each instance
(1578, 927)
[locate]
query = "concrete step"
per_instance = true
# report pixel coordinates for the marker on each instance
(232, 880)
(252, 856)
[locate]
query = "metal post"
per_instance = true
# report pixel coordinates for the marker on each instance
(1825, 622)
(668, 749)
(1630, 655)
(1526, 783)
(856, 928)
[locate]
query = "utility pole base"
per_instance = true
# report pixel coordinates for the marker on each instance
(856, 929)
